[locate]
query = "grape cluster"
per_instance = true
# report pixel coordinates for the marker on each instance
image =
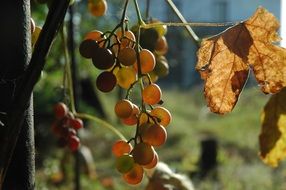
(154, 40)
(128, 63)
(150, 133)
(65, 127)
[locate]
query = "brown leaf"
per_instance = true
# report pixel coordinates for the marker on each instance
(268, 61)
(272, 139)
(224, 60)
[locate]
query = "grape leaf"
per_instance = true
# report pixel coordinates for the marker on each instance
(224, 60)
(272, 139)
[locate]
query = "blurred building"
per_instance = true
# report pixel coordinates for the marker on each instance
(182, 50)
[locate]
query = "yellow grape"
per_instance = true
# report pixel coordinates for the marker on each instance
(123, 108)
(161, 29)
(147, 61)
(125, 77)
(152, 94)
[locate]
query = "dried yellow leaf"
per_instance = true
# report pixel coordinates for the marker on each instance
(272, 139)
(224, 60)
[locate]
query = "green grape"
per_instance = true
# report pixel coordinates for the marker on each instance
(124, 163)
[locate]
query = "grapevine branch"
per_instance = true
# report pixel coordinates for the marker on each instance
(32, 74)
(181, 17)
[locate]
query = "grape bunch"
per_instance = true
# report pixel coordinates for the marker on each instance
(150, 133)
(125, 60)
(154, 40)
(65, 127)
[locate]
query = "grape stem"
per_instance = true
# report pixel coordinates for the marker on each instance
(181, 17)
(194, 24)
(101, 123)
(68, 70)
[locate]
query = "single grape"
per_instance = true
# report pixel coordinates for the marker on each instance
(127, 56)
(88, 48)
(135, 175)
(121, 147)
(97, 7)
(60, 110)
(125, 76)
(153, 163)
(161, 29)
(155, 135)
(76, 123)
(73, 143)
(97, 36)
(148, 38)
(132, 120)
(106, 81)
(161, 46)
(163, 115)
(126, 39)
(162, 66)
(124, 163)
(152, 94)
(123, 108)
(147, 61)
(143, 153)
(103, 59)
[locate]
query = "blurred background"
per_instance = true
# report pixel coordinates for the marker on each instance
(215, 152)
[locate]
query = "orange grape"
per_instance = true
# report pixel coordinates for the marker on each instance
(126, 76)
(161, 46)
(97, 36)
(124, 163)
(103, 59)
(163, 115)
(132, 120)
(143, 153)
(123, 108)
(155, 135)
(127, 56)
(126, 40)
(147, 61)
(106, 81)
(152, 94)
(153, 163)
(97, 7)
(135, 175)
(121, 147)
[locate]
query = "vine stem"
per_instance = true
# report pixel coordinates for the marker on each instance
(181, 17)
(138, 12)
(195, 24)
(68, 70)
(102, 123)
